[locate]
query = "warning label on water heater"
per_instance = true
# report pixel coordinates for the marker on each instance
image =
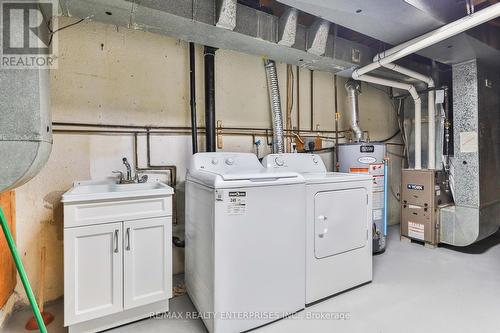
(237, 203)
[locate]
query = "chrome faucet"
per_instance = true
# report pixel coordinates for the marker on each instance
(129, 179)
(129, 170)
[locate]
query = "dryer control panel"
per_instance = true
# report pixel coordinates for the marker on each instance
(302, 163)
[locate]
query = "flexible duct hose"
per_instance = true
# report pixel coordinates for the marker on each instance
(353, 89)
(274, 97)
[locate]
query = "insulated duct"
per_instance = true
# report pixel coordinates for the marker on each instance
(353, 89)
(25, 125)
(475, 166)
(228, 24)
(274, 98)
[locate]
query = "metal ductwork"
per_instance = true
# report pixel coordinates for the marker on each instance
(25, 120)
(25, 126)
(226, 24)
(275, 100)
(353, 90)
(475, 166)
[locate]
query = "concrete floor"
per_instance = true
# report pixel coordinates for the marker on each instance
(414, 289)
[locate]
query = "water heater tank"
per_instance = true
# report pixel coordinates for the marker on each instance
(25, 125)
(368, 157)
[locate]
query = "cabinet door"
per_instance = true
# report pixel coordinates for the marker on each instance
(147, 261)
(93, 268)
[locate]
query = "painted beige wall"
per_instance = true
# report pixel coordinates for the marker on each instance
(114, 75)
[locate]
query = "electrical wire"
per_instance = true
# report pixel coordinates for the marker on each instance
(52, 32)
(322, 150)
(392, 136)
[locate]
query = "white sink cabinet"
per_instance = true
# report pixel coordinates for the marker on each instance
(117, 254)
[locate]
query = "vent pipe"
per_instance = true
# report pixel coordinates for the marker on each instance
(431, 111)
(418, 108)
(209, 55)
(353, 90)
(274, 98)
(192, 96)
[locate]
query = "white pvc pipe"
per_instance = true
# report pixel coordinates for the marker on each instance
(417, 44)
(418, 108)
(433, 37)
(432, 130)
(431, 144)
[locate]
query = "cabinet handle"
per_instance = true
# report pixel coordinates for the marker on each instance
(116, 241)
(128, 239)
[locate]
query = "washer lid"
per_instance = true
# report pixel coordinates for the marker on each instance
(235, 169)
(256, 176)
(332, 177)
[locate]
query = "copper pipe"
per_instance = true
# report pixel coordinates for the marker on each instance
(131, 129)
(267, 133)
(336, 106)
(298, 98)
(312, 100)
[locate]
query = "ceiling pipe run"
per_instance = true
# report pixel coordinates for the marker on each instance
(418, 108)
(386, 58)
(431, 38)
(431, 109)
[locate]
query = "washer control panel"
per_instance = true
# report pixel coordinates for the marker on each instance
(224, 162)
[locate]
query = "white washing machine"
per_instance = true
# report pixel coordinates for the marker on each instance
(245, 254)
(338, 225)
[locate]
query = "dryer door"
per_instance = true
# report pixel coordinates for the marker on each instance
(340, 221)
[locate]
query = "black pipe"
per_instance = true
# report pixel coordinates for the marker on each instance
(192, 86)
(209, 59)
(336, 106)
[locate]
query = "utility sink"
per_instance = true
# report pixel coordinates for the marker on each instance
(117, 253)
(108, 190)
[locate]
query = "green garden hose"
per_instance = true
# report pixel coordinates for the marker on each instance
(22, 273)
